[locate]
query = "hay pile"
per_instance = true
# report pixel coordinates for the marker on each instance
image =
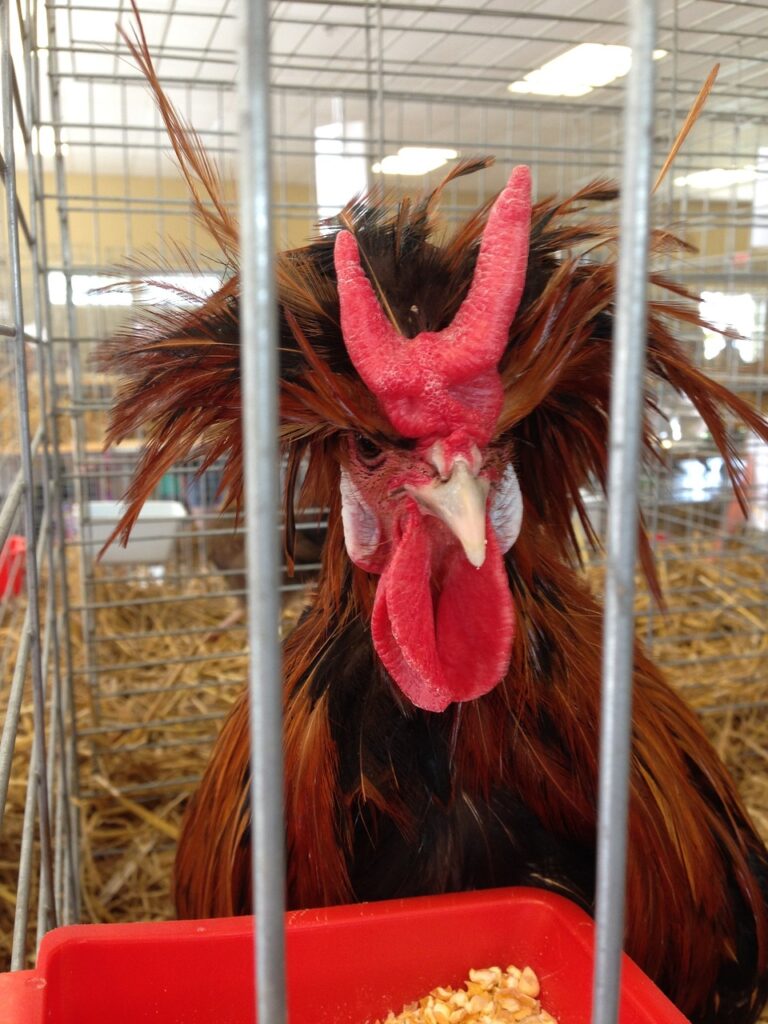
(136, 775)
(164, 722)
(95, 389)
(712, 642)
(127, 840)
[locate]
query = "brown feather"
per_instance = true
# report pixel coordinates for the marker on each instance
(347, 221)
(690, 121)
(199, 171)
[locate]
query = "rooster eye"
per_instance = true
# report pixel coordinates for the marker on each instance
(367, 449)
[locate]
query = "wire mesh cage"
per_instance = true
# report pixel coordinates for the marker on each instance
(37, 777)
(117, 670)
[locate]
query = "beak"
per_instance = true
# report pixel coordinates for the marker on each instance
(460, 503)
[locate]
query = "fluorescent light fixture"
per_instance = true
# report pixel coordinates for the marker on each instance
(414, 160)
(579, 70)
(717, 178)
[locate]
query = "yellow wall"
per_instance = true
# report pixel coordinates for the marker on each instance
(112, 219)
(713, 230)
(106, 231)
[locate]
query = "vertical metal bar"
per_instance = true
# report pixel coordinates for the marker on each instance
(259, 399)
(79, 462)
(56, 556)
(626, 401)
(26, 852)
(52, 694)
(25, 444)
(57, 739)
(12, 711)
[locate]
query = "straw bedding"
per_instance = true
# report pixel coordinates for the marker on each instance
(94, 422)
(713, 640)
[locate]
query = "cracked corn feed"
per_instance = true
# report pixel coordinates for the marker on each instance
(489, 996)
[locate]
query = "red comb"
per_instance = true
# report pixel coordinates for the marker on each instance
(442, 381)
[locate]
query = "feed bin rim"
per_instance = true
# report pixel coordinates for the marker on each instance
(345, 964)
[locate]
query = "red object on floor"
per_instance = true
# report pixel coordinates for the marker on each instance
(12, 565)
(345, 965)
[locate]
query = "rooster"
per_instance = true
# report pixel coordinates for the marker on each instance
(449, 399)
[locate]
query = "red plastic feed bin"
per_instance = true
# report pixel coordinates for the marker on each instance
(12, 566)
(346, 965)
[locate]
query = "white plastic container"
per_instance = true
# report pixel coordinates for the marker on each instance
(152, 537)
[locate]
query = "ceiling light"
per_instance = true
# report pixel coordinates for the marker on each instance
(579, 70)
(717, 178)
(414, 160)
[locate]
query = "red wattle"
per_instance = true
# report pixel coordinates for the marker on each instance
(449, 642)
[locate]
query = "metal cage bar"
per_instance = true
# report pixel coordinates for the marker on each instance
(46, 884)
(259, 383)
(624, 458)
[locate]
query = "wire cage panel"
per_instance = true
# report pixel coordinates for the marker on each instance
(140, 658)
(38, 779)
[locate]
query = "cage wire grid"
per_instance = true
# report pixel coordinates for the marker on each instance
(39, 829)
(132, 664)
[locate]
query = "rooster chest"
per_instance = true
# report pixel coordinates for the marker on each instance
(420, 822)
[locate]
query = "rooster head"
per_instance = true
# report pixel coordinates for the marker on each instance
(425, 384)
(435, 515)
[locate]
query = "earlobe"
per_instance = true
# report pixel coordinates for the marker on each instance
(362, 529)
(506, 509)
